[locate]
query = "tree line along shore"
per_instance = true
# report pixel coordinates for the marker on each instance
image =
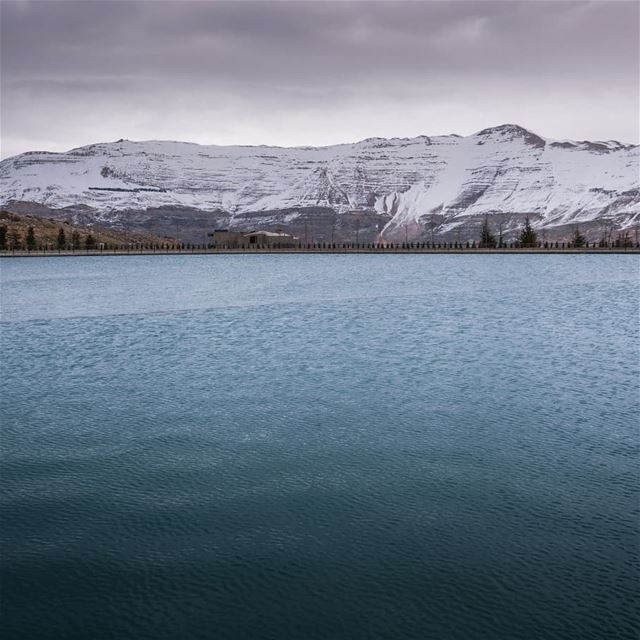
(54, 238)
(28, 232)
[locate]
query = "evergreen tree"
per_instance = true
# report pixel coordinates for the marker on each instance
(62, 239)
(578, 238)
(14, 239)
(487, 239)
(75, 240)
(623, 241)
(90, 242)
(528, 237)
(30, 239)
(3, 237)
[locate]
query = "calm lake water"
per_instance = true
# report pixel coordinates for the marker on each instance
(320, 447)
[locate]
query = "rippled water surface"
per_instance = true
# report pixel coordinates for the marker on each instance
(320, 447)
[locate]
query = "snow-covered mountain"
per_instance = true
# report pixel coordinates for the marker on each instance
(399, 187)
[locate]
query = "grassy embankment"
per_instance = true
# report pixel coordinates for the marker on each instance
(46, 232)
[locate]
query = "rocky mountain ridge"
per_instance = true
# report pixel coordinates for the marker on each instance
(399, 188)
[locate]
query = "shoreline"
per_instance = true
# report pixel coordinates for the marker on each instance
(343, 251)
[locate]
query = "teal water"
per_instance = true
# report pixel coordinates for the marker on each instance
(320, 447)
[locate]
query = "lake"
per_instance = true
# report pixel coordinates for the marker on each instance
(320, 447)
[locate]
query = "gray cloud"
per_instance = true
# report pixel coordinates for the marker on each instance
(75, 72)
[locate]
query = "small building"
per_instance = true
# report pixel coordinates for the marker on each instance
(226, 239)
(271, 239)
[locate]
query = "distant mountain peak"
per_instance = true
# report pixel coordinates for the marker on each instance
(505, 128)
(511, 131)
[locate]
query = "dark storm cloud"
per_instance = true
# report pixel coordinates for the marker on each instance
(313, 72)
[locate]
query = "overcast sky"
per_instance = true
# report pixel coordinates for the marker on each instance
(313, 72)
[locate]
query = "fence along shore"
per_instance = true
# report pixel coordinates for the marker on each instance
(324, 248)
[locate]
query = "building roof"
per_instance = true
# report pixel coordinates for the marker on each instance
(271, 234)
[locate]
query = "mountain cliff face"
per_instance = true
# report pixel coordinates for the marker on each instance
(397, 189)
